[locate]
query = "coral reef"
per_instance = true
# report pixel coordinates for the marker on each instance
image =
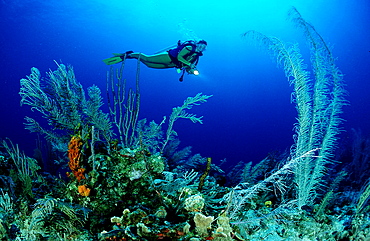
(140, 187)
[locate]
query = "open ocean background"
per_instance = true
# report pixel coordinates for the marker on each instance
(250, 114)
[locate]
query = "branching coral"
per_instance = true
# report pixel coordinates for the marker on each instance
(179, 112)
(319, 103)
(27, 167)
(61, 99)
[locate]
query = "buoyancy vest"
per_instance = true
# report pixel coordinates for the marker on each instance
(173, 53)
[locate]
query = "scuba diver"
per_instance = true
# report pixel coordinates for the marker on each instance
(184, 57)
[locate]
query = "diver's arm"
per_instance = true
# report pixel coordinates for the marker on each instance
(180, 56)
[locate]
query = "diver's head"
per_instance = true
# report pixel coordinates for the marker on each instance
(201, 45)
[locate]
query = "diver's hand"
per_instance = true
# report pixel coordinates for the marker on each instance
(193, 71)
(189, 70)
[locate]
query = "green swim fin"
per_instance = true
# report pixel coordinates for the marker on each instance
(118, 58)
(114, 60)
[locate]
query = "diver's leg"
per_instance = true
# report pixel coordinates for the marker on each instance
(156, 66)
(157, 61)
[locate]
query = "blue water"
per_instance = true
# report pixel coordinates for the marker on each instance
(249, 115)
